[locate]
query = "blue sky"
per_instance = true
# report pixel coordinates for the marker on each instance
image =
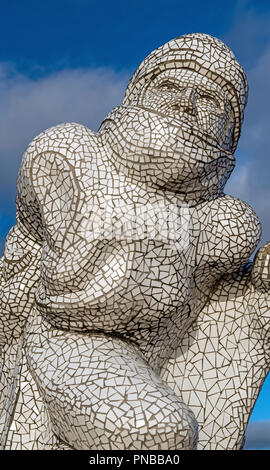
(70, 60)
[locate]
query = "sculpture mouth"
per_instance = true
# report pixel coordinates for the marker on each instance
(183, 128)
(152, 139)
(189, 129)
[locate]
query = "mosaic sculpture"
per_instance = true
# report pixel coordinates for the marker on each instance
(131, 317)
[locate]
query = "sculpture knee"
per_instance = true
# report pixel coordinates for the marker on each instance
(122, 405)
(175, 431)
(109, 428)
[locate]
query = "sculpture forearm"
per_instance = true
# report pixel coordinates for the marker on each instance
(19, 276)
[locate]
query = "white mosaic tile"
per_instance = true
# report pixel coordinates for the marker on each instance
(131, 317)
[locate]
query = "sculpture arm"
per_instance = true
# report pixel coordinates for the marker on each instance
(47, 196)
(19, 277)
(259, 303)
(261, 269)
(21, 260)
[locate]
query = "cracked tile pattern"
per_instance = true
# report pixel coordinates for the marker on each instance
(131, 317)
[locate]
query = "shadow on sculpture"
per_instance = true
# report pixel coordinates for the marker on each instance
(131, 316)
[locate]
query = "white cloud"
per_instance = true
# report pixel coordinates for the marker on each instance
(238, 182)
(246, 183)
(30, 106)
(251, 178)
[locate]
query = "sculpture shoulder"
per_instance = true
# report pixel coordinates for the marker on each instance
(231, 211)
(236, 218)
(70, 140)
(51, 163)
(232, 229)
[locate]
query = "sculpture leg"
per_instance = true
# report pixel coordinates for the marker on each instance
(220, 366)
(101, 394)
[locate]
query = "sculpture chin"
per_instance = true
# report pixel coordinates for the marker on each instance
(165, 152)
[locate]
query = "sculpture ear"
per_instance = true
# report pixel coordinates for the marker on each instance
(55, 185)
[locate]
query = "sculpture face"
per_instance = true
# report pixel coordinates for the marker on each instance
(180, 121)
(194, 99)
(171, 134)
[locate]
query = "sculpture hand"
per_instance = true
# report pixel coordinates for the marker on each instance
(261, 268)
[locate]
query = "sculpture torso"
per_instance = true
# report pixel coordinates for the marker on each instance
(95, 274)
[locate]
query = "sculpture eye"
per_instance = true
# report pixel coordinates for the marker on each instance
(207, 101)
(168, 86)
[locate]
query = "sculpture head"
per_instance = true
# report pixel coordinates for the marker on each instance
(204, 65)
(181, 116)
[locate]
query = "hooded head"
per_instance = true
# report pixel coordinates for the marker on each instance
(201, 53)
(181, 118)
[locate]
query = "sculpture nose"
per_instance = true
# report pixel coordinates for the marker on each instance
(188, 100)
